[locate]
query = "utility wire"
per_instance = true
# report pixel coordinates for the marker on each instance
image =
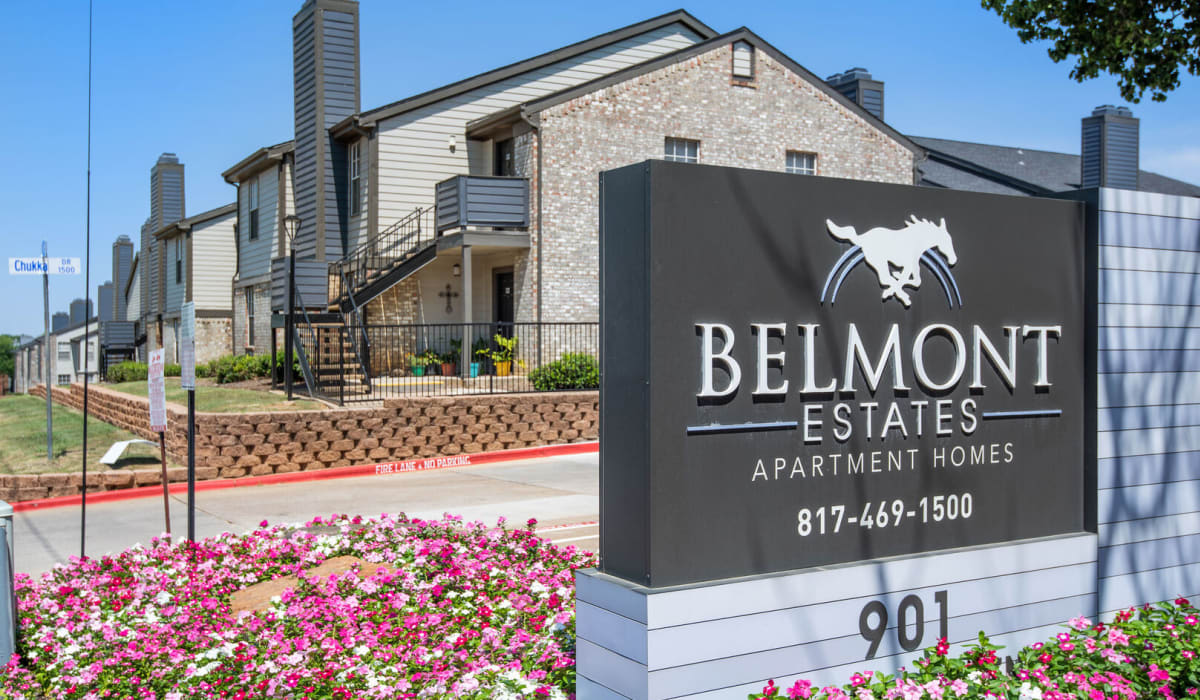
(87, 286)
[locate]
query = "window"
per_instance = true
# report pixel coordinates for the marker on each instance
(504, 161)
(64, 379)
(682, 150)
(800, 163)
(252, 206)
(178, 261)
(356, 179)
(250, 316)
(743, 61)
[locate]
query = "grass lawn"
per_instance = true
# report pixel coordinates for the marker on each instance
(23, 440)
(218, 399)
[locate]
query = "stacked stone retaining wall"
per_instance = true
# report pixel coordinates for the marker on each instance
(232, 445)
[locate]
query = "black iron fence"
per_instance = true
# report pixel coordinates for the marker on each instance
(428, 359)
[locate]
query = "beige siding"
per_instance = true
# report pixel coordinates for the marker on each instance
(414, 154)
(257, 253)
(175, 290)
(289, 200)
(133, 309)
(213, 267)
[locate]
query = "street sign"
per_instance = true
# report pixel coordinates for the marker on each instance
(187, 346)
(38, 266)
(158, 392)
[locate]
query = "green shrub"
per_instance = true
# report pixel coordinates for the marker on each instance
(127, 372)
(574, 370)
(170, 370)
(239, 368)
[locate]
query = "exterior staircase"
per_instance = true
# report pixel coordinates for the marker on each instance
(378, 264)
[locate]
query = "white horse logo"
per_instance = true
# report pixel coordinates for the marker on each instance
(896, 254)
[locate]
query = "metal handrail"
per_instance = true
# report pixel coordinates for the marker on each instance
(393, 245)
(362, 329)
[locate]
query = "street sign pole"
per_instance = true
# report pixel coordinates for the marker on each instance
(156, 388)
(187, 374)
(46, 344)
(46, 266)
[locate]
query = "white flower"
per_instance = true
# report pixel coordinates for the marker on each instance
(361, 649)
(162, 598)
(1030, 692)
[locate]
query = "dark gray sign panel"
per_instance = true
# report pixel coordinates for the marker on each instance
(800, 371)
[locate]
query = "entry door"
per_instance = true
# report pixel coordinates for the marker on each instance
(503, 300)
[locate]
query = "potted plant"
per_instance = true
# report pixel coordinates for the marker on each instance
(450, 359)
(503, 354)
(480, 350)
(430, 358)
(415, 366)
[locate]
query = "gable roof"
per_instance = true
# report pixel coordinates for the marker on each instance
(1007, 170)
(257, 161)
(185, 225)
(368, 118)
(528, 110)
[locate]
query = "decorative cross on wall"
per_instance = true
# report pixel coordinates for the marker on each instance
(449, 294)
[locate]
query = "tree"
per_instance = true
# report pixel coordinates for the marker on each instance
(1143, 43)
(6, 354)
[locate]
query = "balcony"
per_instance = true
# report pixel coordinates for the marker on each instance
(477, 201)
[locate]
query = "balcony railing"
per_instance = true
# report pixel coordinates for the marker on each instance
(480, 201)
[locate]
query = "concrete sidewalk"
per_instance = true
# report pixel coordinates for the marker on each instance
(562, 490)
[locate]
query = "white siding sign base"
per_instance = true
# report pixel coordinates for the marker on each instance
(724, 639)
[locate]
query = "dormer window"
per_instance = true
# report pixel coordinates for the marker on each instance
(356, 178)
(743, 61)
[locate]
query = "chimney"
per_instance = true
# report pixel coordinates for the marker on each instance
(104, 301)
(59, 321)
(326, 90)
(1109, 152)
(122, 261)
(859, 87)
(80, 311)
(148, 278)
(166, 191)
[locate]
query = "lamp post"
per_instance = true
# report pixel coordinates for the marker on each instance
(291, 224)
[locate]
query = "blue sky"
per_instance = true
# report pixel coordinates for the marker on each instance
(211, 81)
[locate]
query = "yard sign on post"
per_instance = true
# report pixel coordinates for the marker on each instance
(158, 419)
(187, 358)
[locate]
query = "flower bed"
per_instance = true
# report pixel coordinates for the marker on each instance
(1147, 652)
(455, 610)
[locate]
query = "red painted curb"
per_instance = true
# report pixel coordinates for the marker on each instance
(381, 468)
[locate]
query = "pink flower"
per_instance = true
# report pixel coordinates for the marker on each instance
(800, 689)
(1080, 623)
(1157, 674)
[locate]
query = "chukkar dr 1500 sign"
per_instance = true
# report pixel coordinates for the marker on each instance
(800, 371)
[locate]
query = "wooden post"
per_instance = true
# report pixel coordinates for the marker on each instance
(162, 444)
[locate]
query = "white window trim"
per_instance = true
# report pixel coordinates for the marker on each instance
(355, 167)
(791, 163)
(672, 146)
(252, 209)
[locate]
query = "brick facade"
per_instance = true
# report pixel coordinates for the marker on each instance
(253, 444)
(748, 124)
(239, 337)
(213, 336)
